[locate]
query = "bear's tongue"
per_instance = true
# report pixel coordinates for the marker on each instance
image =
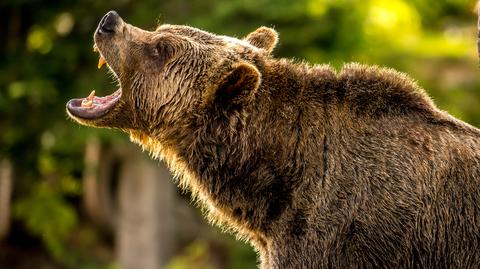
(93, 106)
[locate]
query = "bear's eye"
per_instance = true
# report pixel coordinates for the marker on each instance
(163, 51)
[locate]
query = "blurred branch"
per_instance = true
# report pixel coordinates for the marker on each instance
(97, 191)
(6, 186)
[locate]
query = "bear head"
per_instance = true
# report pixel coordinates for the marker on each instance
(170, 74)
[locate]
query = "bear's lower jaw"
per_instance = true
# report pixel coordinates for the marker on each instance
(93, 107)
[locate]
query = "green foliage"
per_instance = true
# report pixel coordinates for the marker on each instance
(194, 256)
(241, 255)
(47, 215)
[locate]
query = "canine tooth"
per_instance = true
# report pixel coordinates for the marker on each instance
(90, 97)
(101, 62)
(95, 48)
(87, 103)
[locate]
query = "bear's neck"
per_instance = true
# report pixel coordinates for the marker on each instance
(249, 167)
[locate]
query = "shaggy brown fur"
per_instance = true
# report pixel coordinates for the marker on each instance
(316, 169)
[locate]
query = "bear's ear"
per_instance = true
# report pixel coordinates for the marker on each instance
(239, 85)
(263, 38)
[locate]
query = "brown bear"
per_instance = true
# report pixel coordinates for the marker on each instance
(315, 168)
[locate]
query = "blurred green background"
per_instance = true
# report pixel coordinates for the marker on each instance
(50, 167)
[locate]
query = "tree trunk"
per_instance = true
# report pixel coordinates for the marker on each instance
(98, 184)
(6, 186)
(145, 234)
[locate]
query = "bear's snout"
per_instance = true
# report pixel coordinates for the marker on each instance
(108, 23)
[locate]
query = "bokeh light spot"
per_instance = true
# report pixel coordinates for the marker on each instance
(64, 23)
(39, 40)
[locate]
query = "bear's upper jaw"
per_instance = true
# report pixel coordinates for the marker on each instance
(93, 107)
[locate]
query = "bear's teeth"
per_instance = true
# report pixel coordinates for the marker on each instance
(88, 102)
(101, 62)
(91, 95)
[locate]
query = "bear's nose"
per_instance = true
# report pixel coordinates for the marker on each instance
(108, 22)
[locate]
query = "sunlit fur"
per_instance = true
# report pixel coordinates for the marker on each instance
(315, 168)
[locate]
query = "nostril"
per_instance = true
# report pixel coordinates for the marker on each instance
(109, 22)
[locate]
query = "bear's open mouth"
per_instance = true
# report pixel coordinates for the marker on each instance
(93, 107)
